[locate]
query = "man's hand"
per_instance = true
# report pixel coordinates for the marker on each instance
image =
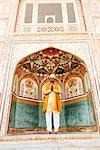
(51, 87)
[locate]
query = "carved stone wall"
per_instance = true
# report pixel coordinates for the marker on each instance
(13, 47)
(23, 48)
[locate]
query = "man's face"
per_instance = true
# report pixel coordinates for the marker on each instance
(51, 80)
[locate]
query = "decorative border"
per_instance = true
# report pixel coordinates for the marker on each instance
(43, 131)
(77, 99)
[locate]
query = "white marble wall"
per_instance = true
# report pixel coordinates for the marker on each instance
(4, 16)
(13, 47)
(8, 10)
(21, 49)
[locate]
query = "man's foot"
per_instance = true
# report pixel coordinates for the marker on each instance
(56, 131)
(49, 132)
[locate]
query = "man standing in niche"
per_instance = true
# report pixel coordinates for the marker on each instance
(52, 104)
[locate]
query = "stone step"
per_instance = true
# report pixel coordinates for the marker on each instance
(32, 137)
(52, 144)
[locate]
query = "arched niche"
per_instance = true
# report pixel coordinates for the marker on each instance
(28, 88)
(74, 87)
(71, 73)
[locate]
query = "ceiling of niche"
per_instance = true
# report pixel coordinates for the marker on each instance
(51, 60)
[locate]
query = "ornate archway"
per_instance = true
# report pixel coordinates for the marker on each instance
(30, 75)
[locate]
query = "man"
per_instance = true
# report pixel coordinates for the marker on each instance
(52, 104)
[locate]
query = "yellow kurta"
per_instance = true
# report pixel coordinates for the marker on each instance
(52, 101)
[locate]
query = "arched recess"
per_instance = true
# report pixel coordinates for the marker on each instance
(28, 88)
(72, 75)
(74, 87)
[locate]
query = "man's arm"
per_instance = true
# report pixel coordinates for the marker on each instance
(46, 90)
(57, 89)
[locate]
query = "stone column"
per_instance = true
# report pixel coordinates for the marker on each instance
(41, 114)
(62, 120)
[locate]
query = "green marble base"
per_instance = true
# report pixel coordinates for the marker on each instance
(29, 116)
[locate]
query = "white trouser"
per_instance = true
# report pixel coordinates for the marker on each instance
(56, 120)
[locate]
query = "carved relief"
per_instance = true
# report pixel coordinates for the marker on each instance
(50, 29)
(74, 87)
(50, 19)
(28, 88)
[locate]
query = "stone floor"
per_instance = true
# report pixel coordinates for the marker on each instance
(82, 144)
(51, 142)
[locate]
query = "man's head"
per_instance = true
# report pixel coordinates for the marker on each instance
(52, 78)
